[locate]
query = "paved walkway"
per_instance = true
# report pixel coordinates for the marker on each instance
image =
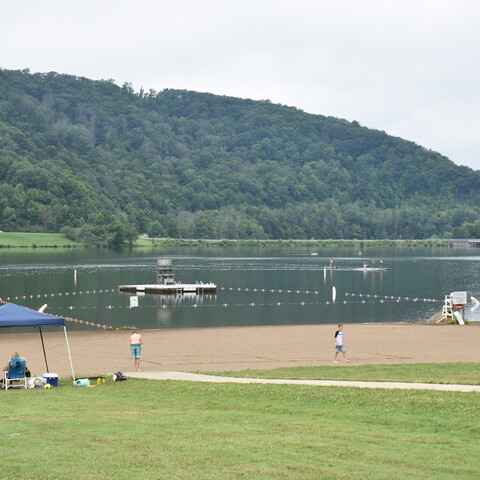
(194, 377)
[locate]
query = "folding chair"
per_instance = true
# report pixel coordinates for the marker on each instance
(15, 376)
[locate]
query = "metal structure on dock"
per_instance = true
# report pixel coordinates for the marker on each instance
(165, 275)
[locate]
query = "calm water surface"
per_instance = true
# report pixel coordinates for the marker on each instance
(92, 294)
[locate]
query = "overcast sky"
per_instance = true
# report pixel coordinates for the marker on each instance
(408, 67)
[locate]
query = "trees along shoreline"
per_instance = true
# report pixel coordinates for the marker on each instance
(56, 240)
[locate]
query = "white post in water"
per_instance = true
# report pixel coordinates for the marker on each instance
(334, 294)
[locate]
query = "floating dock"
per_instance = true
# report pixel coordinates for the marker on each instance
(166, 283)
(175, 288)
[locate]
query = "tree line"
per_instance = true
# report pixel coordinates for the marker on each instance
(103, 163)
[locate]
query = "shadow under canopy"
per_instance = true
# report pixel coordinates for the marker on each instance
(12, 315)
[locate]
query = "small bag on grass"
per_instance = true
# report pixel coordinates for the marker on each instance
(118, 376)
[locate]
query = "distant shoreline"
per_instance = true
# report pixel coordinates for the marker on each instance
(58, 240)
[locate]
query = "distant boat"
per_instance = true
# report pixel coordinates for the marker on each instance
(314, 253)
(356, 269)
(359, 254)
(371, 269)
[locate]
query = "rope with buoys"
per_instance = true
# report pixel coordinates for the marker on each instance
(361, 300)
(227, 289)
(392, 297)
(92, 324)
(267, 290)
(316, 292)
(250, 304)
(113, 290)
(59, 294)
(370, 297)
(67, 319)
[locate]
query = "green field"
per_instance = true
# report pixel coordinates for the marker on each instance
(460, 373)
(20, 239)
(183, 430)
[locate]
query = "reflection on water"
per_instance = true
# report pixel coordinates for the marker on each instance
(256, 286)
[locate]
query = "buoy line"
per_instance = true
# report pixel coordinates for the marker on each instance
(391, 297)
(67, 319)
(59, 294)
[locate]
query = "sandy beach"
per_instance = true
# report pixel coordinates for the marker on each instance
(238, 348)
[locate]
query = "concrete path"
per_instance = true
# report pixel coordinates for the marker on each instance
(194, 377)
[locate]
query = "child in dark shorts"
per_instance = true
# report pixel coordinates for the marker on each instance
(339, 346)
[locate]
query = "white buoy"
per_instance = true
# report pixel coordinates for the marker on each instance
(334, 294)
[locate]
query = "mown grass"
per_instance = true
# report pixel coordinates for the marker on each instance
(180, 430)
(459, 373)
(21, 239)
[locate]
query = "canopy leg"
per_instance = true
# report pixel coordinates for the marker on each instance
(43, 346)
(69, 355)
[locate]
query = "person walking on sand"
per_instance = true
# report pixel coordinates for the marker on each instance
(136, 349)
(339, 347)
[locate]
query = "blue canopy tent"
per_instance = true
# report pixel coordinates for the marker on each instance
(12, 315)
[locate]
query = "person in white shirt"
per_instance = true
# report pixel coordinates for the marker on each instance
(339, 346)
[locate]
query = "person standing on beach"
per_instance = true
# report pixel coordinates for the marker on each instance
(339, 347)
(136, 349)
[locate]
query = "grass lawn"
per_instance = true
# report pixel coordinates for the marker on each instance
(21, 239)
(456, 373)
(183, 430)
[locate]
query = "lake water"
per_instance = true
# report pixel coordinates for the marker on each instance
(292, 286)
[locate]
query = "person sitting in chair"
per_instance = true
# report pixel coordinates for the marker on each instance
(16, 358)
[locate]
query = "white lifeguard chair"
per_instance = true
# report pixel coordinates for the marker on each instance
(454, 302)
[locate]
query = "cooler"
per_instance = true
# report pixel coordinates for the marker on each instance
(51, 378)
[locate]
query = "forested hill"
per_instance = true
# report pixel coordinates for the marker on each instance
(102, 162)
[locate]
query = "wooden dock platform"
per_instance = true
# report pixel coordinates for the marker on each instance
(175, 288)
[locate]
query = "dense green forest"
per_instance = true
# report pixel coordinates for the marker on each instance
(103, 163)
